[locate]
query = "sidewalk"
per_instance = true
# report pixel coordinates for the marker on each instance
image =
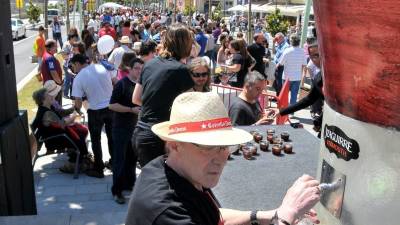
(62, 200)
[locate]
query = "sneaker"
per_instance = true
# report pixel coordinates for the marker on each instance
(118, 198)
(94, 173)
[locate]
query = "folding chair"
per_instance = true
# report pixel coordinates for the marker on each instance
(41, 140)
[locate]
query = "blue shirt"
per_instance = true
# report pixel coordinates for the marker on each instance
(202, 41)
(279, 49)
(145, 35)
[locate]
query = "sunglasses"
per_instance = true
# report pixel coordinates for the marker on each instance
(231, 148)
(314, 56)
(200, 74)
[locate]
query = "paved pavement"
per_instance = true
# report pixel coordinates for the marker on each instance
(62, 200)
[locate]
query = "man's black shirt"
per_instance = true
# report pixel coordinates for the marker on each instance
(162, 197)
(258, 52)
(243, 113)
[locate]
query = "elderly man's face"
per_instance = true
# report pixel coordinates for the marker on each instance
(201, 166)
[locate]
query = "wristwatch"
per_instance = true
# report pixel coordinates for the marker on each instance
(253, 218)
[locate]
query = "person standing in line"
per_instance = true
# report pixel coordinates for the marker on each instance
(51, 68)
(280, 47)
(124, 122)
(294, 61)
(162, 79)
(94, 82)
(257, 51)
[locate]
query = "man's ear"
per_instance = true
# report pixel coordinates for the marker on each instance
(172, 146)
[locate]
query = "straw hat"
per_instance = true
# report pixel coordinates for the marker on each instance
(137, 45)
(125, 40)
(200, 118)
(52, 88)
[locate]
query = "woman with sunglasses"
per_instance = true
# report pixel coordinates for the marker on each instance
(200, 73)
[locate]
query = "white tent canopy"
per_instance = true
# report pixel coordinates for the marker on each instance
(236, 8)
(254, 8)
(110, 5)
(286, 10)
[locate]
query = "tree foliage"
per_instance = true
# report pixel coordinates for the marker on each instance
(189, 10)
(33, 13)
(216, 14)
(277, 23)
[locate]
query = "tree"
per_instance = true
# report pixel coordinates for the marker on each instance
(33, 13)
(277, 23)
(189, 10)
(216, 14)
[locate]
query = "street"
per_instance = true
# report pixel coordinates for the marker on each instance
(23, 50)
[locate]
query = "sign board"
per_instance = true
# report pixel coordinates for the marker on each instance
(19, 4)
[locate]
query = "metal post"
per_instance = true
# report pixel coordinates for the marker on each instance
(73, 14)
(81, 20)
(209, 9)
(174, 19)
(67, 22)
(305, 22)
(250, 23)
(46, 22)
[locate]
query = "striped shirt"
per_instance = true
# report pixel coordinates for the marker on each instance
(293, 58)
(279, 49)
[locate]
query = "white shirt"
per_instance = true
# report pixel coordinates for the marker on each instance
(313, 69)
(94, 83)
(116, 56)
(93, 23)
(293, 58)
(210, 42)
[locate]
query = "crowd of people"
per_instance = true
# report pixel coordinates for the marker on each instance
(150, 91)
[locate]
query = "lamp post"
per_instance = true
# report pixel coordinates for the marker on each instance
(249, 34)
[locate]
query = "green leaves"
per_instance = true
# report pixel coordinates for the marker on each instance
(277, 23)
(33, 12)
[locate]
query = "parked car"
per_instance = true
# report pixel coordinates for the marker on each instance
(51, 13)
(18, 28)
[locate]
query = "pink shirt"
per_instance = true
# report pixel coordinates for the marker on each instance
(121, 74)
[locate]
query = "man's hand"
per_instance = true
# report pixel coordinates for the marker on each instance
(299, 199)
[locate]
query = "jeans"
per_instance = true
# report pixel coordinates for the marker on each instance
(96, 120)
(57, 37)
(67, 83)
(294, 91)
(124, 160)
(148, 145)
(277, 85)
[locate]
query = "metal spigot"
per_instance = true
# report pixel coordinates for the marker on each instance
(330, 186)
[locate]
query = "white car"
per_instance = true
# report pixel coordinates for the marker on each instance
(18, 28)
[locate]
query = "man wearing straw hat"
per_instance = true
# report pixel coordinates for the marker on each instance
(176, 189)
(116, 55)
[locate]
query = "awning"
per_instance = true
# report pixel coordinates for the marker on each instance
(111, 5)
(236, 8)
(286, 10)
(253, 8)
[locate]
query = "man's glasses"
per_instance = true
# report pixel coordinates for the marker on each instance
(200, 74)
(314, 56)
(231, 148)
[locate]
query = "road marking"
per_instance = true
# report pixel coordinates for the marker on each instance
(26, 79)
(27, 38)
